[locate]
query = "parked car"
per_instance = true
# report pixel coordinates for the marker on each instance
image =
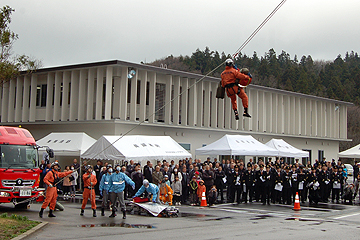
(350, 169)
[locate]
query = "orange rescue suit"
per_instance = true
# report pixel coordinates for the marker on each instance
(51, 192)
(166, 190)
(200, 190)
(229, 77)
(89, 191)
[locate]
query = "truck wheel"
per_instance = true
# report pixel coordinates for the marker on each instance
(22, 205)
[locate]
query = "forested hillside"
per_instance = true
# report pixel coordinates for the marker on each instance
(337, 79)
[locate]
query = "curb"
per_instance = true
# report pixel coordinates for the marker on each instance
(31, 231)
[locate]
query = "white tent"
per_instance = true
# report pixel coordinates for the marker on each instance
(241, 145)
(66, 143)
(136, 147)
(353, 152)
(285, 149)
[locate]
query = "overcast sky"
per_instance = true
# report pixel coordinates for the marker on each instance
(63, 32)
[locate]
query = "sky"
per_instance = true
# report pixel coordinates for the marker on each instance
(64, 32)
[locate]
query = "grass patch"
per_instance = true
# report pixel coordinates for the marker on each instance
(14, 225)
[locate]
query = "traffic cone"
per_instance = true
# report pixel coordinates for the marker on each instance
(297, 203)
(203, 200)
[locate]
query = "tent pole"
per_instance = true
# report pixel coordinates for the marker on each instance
(80, 187)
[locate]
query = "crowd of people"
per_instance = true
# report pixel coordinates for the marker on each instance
(230, 181)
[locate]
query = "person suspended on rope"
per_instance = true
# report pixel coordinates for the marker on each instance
(234, 81)
(51, 179)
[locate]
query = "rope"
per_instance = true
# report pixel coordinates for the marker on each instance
(253, 34)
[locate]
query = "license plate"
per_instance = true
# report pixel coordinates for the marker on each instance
(25, 192)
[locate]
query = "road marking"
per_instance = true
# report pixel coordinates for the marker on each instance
(345, 216)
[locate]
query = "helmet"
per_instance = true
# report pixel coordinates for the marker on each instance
(109, 166)
(245, 71)
(88, 167)
(229, 62)
(146, 183)
(54, 164)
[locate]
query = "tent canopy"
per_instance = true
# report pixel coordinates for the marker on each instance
(136, 147)
(285, 149)
(243, 145)
(66, 143)
(353, 152)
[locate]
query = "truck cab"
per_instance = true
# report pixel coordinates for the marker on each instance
(19, 167)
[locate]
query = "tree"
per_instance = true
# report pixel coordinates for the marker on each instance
(11, 65)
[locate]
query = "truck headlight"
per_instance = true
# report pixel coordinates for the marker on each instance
(4, 194)
(41, 193)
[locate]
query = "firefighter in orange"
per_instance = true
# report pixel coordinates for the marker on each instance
(89, 192)
(51, 179)
(234, 82)
(166, 193)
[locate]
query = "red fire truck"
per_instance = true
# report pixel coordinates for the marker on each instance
(19, 167)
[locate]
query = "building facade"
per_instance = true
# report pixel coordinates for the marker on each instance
(104, 98)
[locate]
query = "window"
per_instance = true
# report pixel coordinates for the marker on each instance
(320, 155)
(304, 160)
(186, 146)
(41, 92)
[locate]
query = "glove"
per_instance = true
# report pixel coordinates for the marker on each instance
(133, 187)
(249, 75)
(50, 185)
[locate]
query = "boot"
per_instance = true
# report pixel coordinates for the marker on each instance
(246, 114)
(51, 213)
(102, 211)
(124, 214)
(94, 212)
(82, 212)
(236, 114)
(41, 213)
(113, 213)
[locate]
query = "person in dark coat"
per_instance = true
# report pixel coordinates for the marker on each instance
(137, 178)
(219, 182)
(208, 177)
(185, 185)
(148, 170)
(97, 169)
(249, 183)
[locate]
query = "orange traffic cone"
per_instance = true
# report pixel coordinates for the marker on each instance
(297, 203)
(203, 200)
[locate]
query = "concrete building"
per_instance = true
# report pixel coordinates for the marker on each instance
(99, 99)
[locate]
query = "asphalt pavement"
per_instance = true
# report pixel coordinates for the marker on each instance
(224, 221)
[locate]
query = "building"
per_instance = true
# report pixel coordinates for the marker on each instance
(100, 99)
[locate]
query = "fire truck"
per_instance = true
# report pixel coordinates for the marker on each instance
(19, 167)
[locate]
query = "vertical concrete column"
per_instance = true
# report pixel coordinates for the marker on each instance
(65, 97)
(229, 113)
(143, 82)
(298, 121)
(268, 111)
(176, 102)
(82, 95)
(314, 113)
(74, 95)
(152, 95)
(275, 112)
(287, 118)
(49, 96)
(108, 92)
(192, 102)
(11, 110)
(99, 93)
(261, 111)
(337, 121)
(116, 100)
(124, 93)
(90, 94)
(343, 121)
(57, 93)
(254, 110)
(320, 119)
(214, 105)
(221, 113)
(292, 116)
(207, 104)
(332, 120)
(5, 102)
(32, 114)
(168, 89)
(303, 116)
(19, 98)
(133, 97)
(327, 119)
(280, 114)
(26, 99)
(308, 117)
(184, 101)
(199, 105)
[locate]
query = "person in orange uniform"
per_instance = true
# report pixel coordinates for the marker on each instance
(233, 81)
(166, 193)
(51, 179)
(201, 189)
(89, 192)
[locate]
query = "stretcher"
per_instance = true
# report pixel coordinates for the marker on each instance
(143, 206)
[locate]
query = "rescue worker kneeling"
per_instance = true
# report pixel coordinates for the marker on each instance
(116, 190)
(232, 79)
(149, 188)
(89, 191)
(166, 193)
(51, 179)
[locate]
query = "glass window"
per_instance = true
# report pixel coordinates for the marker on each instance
(17, 156)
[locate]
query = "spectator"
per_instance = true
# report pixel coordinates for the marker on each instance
(219, 182)
(75, 176)
(185, 185)
(166, 179)
(176, 173)
(137, 178)
(97, 169)
(212, 195)
(66, 183)
(193, 191)
(177, 188)
(201, 189)
(208, 177)
(166, 171)
(148, 170)
(157, 176)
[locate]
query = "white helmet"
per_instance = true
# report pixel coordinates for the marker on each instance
(146, 183)
(229, 62)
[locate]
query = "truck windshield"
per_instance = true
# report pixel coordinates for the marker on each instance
(18, 156)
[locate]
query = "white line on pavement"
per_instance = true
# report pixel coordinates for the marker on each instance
(345, 216)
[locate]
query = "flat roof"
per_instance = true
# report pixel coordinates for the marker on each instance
(176, 72)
